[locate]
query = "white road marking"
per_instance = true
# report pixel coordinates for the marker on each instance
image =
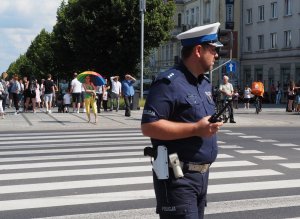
(266, 140)
(249, 136)
(291, 165)
(270, 157)
(286, 145)
(122, 181)
(149, 194)
(229, 146)
(249, 151)
(235, 133)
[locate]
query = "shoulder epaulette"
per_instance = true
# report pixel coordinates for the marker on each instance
(168, 76)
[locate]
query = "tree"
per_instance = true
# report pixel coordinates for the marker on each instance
(41, 54)
(105, 35)
(22, 66)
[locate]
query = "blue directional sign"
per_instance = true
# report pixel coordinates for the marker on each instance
(231, 67)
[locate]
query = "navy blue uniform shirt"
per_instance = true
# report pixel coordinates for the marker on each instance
(176, 95)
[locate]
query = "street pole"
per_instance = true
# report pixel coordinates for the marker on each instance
(142, 10)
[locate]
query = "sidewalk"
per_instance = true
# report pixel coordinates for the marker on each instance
(271, 115)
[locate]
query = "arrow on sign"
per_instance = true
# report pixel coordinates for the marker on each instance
(231, 67)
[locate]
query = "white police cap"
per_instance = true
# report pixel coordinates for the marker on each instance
(199, 35)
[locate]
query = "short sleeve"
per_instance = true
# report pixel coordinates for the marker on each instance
(159, 103)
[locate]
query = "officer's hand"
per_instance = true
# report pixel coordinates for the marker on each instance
(207, 129)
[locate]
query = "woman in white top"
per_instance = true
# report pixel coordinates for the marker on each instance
(1, 107)
(247, 96)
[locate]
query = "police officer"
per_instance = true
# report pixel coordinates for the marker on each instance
(176, 115)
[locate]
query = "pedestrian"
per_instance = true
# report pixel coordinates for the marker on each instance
(42, 89)
(99, 97)
(30, 94)
(67, 101)
(5, 92)
(291, 95)
(76, 90)
(116, 92)
(15, 90)
(176, 118)
(90, 98)
(297, 101)
(106, 88)
(49, 91)
(278, 93)
(128, 92)
(2, 96)
(38, 95)
(226, 90)
(247, 96)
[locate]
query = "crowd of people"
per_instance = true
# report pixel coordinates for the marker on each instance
(27, 94)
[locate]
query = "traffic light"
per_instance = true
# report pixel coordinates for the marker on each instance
(226, 38)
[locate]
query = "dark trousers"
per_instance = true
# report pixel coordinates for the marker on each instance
(128, 102)
(99, 101)
(16, 101)
(230, 109)
(104, 103)
(183, 198)
(4, 101)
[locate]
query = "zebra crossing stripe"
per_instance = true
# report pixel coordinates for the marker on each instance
(75, 200)
(286, 145)
(249, 151)
(253, 186)
(212, 208)
(266, 140)
(46, 141)
(249, 136)
(149, 194)
(78, 172)
(71, 156)
(234, 133)
(76, 144)
(73, 163)
(229, 146)
(65, 136)
(81, 150)
(109, 161)
(74, 132)
(121, 181)
(252, 204)
(291, 165)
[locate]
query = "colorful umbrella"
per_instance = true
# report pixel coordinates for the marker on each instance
(96, 78)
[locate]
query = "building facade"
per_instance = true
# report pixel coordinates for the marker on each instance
(270, 42)
(189, 14)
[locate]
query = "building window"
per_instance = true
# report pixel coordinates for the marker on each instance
(197, 16)
(274, 10)
(288, 38)
(261, 13)
(249, 16)
(179, 22)
(171, 50)
(248, 46)
(273, 40)
(207, 12)
(192, 16)
(287, 7)
(187, 17)
(260, 42)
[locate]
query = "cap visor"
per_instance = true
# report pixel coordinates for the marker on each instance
(216, 44)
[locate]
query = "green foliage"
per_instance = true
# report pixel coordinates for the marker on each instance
(105, 35)
(99, 35)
